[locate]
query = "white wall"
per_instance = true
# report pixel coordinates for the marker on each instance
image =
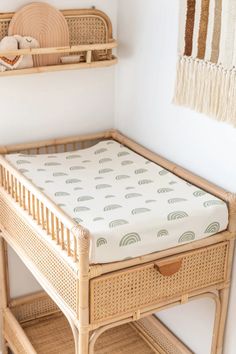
(53, 105)
(58, 104)
(147, 32)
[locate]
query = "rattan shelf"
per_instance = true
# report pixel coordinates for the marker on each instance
(90, 37)
(43, 329)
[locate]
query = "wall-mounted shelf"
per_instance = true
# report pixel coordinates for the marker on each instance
(90, 37)
(89, 59)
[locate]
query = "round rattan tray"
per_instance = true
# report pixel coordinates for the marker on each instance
(46, 24)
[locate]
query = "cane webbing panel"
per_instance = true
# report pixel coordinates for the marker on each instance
(122, 340)
(52, 335)
(39, 307)
(4, 24)
(87, 30)
(158, 336)
(90, 29)
(127, 291)
(50, 266)
(85, 27)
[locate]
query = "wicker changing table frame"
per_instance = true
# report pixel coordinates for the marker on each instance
(40, 234)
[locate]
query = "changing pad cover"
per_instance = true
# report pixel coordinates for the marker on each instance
(131, 206)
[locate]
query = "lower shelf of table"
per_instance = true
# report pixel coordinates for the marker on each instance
(36, 325)
(54, 336)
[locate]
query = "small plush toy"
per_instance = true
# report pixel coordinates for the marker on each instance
(16, 61)
(24, 43)
(9, 62)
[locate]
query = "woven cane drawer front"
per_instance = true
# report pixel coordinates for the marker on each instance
(60, 276)
(124, 292)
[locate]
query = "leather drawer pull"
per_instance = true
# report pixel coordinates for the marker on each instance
(167, 269)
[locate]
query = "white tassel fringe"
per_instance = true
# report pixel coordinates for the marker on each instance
(207, 88)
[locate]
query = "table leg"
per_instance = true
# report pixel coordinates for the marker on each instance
(4, 293)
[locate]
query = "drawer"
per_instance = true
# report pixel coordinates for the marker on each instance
(124, 292)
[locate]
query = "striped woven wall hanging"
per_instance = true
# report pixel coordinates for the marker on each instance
(206, 75)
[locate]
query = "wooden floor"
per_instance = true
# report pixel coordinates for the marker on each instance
(53, 336)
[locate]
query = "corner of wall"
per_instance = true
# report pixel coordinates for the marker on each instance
(116, 32)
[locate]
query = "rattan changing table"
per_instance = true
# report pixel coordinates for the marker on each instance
(73, 315)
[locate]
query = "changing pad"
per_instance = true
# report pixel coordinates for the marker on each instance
(130, 205)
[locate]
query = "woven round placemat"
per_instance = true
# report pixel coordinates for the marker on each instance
(46, 24)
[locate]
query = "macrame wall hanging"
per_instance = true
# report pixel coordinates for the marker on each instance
(206, 78)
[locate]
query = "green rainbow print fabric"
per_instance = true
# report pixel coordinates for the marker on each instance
(130, 205)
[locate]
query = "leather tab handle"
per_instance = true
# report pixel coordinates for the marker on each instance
(168, 268)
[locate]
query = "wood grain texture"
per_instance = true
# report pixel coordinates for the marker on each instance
(168, 269)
